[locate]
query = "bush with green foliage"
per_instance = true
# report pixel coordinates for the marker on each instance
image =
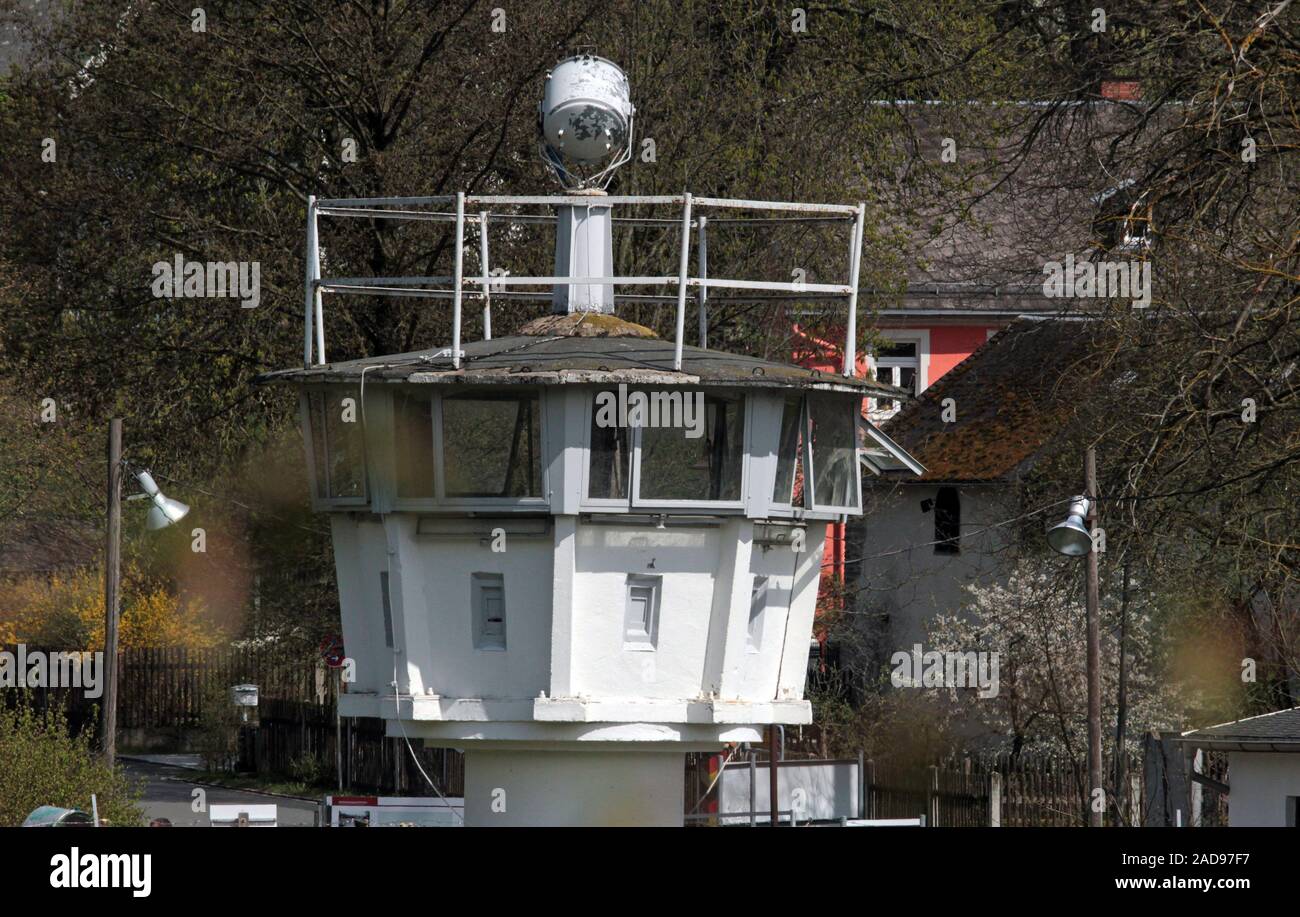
(43, 763)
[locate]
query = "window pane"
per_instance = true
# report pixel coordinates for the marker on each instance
(608, 474)
(676, 467)
(316, 425)
(491, 445)
(413, 443)
(896, 350)
(907, 379)
(336, 443)
(833, 451)
(788, 456)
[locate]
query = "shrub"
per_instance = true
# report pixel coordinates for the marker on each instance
(42, 763)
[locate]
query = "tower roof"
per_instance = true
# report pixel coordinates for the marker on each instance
(572, 359)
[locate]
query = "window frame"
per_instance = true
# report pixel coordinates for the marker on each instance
(918, 336)
(603, 504)
(802, 455)
(950, 545)
(810, 470)
(648, 503)
(480, 581)
(647, 642)
(440, 500)
(309, 436)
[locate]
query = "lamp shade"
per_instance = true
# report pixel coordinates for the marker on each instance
(1072, 537)
(165, 510)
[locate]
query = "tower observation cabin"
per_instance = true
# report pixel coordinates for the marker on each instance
(580, 551)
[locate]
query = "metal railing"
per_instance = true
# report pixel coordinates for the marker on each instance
(476, 210)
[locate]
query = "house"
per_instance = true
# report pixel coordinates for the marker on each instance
(1263, 767)
(977, 432)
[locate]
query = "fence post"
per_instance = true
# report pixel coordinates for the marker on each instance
(995, 800)
(933, 806)
(1135, 801)
(862, 784)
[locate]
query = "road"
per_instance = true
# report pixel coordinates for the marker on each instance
(169, 793)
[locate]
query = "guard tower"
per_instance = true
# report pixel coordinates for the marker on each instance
(579, 552)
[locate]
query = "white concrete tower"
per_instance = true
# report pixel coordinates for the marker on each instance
(578, 552)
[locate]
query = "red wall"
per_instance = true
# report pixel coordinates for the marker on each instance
(950, 344)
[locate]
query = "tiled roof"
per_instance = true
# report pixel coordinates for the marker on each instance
(1010, 396)
(1281, 727)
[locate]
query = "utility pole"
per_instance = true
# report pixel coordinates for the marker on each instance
(1094, 644)
(112, 577)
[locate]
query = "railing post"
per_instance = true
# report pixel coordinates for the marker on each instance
(682, 266)
(995, 800)
(458, 279)
(855, 264)
(309, 278)
(703, 256)
(487, 286)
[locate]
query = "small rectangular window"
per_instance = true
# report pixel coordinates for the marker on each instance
(488, 600)
(492, 445)
(675, 466)
(757, 607)
(388, 608)
(641, 617)
(335, 420)
(947, 521)
(413, 444)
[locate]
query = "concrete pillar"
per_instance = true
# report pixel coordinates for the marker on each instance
(530, 787)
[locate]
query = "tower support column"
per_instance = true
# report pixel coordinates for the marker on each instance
(567, 788)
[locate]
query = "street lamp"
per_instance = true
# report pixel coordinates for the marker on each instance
(1073, 538)
(164, 512)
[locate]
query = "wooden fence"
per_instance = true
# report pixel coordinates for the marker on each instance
(294, 732)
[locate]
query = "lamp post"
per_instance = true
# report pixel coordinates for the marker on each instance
(162, 513)
(1073, 537)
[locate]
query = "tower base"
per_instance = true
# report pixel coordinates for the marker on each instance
(542, 788)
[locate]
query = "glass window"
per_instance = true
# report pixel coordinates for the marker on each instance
(335, 420)
(607, 474)
(947, 521)
(834, 452)
(789, 458)
(492, 445)
(675, 466)
(413, 443)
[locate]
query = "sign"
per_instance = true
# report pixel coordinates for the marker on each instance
(395, 811)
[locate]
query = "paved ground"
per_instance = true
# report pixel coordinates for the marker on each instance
(169, 793)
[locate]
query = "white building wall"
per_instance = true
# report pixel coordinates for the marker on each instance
(688, 560)
(1260, 784)
(911, 583)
